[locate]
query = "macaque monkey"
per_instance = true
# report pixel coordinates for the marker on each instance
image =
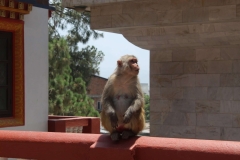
(123, 101)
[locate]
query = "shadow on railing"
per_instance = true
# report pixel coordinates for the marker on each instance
(73, 124)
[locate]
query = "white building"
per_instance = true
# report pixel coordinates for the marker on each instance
(24, 65)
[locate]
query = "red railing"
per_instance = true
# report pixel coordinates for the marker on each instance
(73, 146)
(61, 123)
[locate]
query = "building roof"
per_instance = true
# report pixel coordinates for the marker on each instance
(39, 3)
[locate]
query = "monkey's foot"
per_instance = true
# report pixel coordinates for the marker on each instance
(115, 136)
(127, 133)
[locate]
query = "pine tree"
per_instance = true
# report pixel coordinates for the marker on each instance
(66, 96)
(67, 89)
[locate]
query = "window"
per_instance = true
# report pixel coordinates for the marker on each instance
(99, 107)
(6, 74)
(11, 73)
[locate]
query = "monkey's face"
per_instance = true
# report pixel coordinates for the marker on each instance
(133, 64)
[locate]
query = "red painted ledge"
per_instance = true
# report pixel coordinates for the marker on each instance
(72, 146)
(60, 123)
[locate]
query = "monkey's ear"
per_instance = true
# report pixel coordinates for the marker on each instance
(119, 62)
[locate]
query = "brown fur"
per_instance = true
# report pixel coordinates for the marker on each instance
(122, 99)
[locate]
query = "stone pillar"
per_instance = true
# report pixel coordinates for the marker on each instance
(195, 93)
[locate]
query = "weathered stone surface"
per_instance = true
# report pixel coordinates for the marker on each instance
(238, 10)
(232, 107)
(230, 80)
(101, 22)
(160, 130)
(236, 120)
(182, 132)
(183, 106)
(234, 26)
(111, 9)
(222, 12)
(226, 106)
(183, 5)
(175, 119)
(121, 20)
(220, 93)
(208, 54)
(236, 93)
(172, 131)
(155, 92)
(219, 67)
(158, 117)
(195, 67)
(154, 68)
(231, 53)
(207, 80)
(208, 132)
(170, 16)
(231, 134)
(195, 93)
(160, 105)
(171, 68)
(184, 55)
(196, 15)
(168, 93)
(133, 7)
(202, 119)
(236, 66)
(183, 80)
(145, 18)
(161, 81)
(201, 28)
(208, 106)
(208, 3)
(161, 56)
(216, 120)
(221, 120)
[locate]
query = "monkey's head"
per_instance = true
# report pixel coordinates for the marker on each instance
(128, 64)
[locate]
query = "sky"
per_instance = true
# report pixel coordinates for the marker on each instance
(114, 46)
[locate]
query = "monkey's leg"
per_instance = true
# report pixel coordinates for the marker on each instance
(115, 136)
(127, 133)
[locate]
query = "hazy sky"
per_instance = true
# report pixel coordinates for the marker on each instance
(114, 46)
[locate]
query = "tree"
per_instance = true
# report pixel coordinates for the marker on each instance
(147, 106)
(69, 68)
(66, 96)
(85, 63)
(76, 24)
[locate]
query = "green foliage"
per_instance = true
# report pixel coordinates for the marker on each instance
(147, 106)
(74, 23)
(69, 68)
(85, 63)
(67, 96)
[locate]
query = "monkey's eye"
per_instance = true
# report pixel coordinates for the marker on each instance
(133, 61)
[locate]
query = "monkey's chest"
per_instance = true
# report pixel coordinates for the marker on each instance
(121, 104)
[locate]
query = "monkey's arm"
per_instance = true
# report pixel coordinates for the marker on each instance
(134, 109)
(107, 104)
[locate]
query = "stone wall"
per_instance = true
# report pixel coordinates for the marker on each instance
(195, 93)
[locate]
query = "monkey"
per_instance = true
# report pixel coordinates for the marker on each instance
(123, 101)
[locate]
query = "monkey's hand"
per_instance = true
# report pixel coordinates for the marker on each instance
(114, 120)
(127, 116)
